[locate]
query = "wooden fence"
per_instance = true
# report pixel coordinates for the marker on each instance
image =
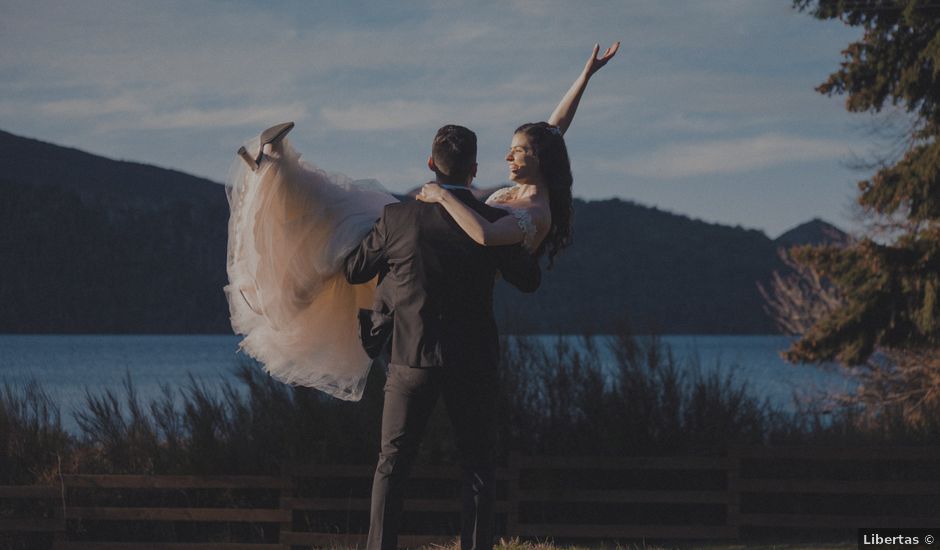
(735, 497)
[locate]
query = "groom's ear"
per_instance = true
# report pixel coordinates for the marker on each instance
(431, 166)
(473, 171)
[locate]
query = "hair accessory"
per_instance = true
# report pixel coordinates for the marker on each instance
(555, 130)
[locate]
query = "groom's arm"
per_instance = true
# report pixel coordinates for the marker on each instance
(367, 259)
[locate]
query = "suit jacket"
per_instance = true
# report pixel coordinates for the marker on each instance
(437, 283)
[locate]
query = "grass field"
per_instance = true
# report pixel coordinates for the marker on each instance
(516, 544)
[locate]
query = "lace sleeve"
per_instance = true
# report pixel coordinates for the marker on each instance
(500, 195)
(524, 219)
(501, 199)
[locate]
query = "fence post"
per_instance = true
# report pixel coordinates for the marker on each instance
(733, 475)
(286, 492)
(512, 495)
(60, 536)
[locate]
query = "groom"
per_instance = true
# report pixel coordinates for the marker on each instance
(438, 287)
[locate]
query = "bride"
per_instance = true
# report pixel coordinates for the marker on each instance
(292, 224)
(540, 200)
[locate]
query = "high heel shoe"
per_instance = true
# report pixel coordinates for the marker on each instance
(272, 136)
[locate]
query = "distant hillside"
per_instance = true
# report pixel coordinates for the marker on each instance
(814, 232)
(662, 272)
(92, 245)
(89, 244)
(115, 183)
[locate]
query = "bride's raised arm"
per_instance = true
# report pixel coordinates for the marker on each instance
(564, 112)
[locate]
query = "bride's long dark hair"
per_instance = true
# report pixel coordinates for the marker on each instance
(549, 147)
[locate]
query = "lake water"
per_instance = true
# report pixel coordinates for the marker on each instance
(69, 365)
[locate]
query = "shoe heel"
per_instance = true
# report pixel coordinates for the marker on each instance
(249, 160)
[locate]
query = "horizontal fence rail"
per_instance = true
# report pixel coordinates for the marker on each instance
(749, 491)
(835, 487)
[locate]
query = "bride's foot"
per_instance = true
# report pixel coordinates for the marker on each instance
(272, 136)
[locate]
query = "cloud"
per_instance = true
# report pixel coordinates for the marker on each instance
(727, 156)
(386, 115)
(125, 112)
(222, 118)
(90, 107)
(693, 123)
(411, 114)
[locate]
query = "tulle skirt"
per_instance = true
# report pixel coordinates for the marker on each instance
(291, 226)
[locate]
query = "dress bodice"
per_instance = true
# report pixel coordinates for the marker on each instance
(504, 199)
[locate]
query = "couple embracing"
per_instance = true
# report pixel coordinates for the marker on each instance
(300, 271)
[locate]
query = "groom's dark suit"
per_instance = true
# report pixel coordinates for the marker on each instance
(439, 290)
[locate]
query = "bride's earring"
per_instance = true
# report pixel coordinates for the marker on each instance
(272, 136)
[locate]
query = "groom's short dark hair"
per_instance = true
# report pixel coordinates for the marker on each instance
(454, 152)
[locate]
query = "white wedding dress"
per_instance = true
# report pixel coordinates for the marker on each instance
(291, 226)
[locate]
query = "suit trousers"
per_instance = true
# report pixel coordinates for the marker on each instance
(469, 394)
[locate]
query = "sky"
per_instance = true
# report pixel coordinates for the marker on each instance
(708, 110)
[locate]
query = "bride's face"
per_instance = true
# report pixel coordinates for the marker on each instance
(523, 164)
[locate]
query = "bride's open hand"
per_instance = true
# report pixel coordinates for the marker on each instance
(431, 192)
(595, 63)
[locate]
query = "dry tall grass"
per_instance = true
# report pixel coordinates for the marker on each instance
(555, 399)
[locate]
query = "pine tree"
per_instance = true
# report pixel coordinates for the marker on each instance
(889, 285)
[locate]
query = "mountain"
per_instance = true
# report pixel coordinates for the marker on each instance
(92, 245)
(814, 232)
(657, 271)
(112, 183)
(89, 244)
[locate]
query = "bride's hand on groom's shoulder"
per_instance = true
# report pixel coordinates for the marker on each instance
(595, 63)
(431, 192)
